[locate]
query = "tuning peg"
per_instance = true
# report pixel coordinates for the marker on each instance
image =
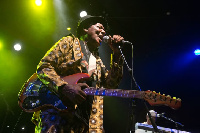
(178, 99)
(169, 96)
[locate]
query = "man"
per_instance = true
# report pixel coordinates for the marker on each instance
(71, 55)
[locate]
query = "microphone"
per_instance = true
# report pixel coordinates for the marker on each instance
(106, 38)
(161, 115)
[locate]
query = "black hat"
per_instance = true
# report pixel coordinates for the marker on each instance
(87, 21)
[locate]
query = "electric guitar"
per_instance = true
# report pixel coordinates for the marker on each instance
(34, 95)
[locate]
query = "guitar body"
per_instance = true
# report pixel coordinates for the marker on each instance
(35, 95)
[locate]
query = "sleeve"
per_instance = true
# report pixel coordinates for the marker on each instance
(47, 69)
(114, 76)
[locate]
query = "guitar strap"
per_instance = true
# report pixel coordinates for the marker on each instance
(96, 117)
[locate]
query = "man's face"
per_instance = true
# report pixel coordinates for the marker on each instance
(95, 34)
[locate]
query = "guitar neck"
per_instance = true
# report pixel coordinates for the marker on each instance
(114, 92)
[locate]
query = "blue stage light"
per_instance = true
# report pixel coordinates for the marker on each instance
(197, 52)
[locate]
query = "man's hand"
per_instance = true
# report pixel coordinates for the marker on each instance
(113, 43)
(73, 92)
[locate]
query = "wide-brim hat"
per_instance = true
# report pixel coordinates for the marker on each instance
(88, 20)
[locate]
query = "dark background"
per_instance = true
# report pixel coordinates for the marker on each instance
(164, 33)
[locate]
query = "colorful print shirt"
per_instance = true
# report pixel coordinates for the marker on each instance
(66, 58)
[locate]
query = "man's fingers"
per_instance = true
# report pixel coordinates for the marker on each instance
(83, 85)
(80, 99)
(82, 93)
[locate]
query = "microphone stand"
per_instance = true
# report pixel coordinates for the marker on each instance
(176, 123)
(132, 128)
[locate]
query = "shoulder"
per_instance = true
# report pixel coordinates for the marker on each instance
(68, 38)
(68, 41)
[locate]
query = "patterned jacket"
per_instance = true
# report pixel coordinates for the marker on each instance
(65, 58)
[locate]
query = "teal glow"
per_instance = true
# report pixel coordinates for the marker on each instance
(197, 52)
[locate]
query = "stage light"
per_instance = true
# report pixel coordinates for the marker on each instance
(68, 28)
(83, 14)
(38, 2)
(23, 128)
(17, 47)
(197, 52)
(1, 45)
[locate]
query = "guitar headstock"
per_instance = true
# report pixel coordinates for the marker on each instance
(154, 98)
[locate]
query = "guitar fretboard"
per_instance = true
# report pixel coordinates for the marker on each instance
(114, 92)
